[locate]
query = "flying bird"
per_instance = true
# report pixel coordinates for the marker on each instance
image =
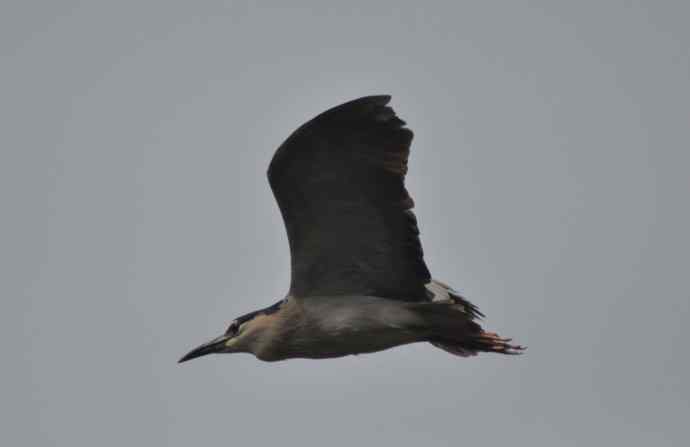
(359, 283)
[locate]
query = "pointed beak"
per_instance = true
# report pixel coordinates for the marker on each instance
(214, 346)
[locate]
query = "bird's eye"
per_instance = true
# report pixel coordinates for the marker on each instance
(232, 329)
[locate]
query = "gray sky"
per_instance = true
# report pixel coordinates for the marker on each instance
(550, 172)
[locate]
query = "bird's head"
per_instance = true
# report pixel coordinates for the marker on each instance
(227, 343)
(247, 333)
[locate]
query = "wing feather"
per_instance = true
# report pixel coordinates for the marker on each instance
(339, 183)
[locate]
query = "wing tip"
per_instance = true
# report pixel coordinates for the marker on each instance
(366, 108)
(373, 107)
(362, 103)
(380, 99)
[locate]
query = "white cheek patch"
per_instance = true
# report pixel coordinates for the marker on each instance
(233, 341)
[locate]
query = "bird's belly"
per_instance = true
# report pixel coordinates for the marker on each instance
(351, 342)
(366, 325)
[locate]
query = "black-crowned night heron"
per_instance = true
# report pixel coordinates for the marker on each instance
(359, 282)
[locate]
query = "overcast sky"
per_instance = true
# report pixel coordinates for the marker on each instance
(549, 167)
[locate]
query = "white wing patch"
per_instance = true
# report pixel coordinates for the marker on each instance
(439, 291)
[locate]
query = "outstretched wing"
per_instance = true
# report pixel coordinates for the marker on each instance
(339, 183)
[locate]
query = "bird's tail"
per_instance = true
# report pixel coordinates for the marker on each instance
(454, 327)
